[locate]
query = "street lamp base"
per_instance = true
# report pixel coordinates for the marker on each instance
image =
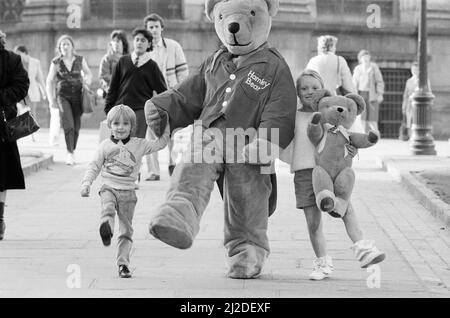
(422, 142)
(422, 146)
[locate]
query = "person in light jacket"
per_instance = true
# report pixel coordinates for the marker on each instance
(369, 82)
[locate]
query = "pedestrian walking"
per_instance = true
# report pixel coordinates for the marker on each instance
(118, 159)
(67, 74)
(117, 47)
(36, 91)
(134, 80)
(332, 68)
(412, 84)
(368, 80)
(300, 155)
(169, 56)
(14, 84)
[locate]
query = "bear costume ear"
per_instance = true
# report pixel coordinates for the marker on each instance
(273, 6)
(317, 97)
(360, 103)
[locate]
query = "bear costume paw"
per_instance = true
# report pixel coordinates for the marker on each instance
(171, 228)
(247, 263)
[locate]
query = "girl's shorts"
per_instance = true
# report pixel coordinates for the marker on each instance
(304, 192)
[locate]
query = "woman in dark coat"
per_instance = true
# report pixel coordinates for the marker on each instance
(14, 85)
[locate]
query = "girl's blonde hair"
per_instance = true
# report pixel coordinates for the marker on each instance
(123, 111)
(308, 72)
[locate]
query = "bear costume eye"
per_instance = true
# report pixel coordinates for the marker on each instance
(220, 17)
(253, 13)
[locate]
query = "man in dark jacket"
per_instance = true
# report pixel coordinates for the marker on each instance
(14, 85)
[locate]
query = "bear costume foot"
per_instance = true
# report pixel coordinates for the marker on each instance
(248, 263)
(171, 228)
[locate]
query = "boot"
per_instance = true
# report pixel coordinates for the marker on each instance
(2, 222)
(367, 254)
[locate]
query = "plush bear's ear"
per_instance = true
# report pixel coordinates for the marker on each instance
(209, 8)
(317, 97)
(360, 103)
(273, 5)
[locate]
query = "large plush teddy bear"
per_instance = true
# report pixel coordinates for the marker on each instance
(333, 177)
(244, 90)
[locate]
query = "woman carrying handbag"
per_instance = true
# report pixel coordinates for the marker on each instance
(65, 90)
(14, 85)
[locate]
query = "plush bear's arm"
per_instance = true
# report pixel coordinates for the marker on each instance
(364, 140)
(315, 129)
(184, 103)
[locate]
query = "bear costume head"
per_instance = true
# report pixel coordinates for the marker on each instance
(338, 110)
(242, 25)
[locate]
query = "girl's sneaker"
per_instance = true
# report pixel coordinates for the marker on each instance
(367, 254)
(70, 159)
(323, 267)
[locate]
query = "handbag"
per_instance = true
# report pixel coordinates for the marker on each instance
(87, 100)
(340, 90)
(20, 126)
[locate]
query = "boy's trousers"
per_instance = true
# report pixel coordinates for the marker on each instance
(123, 203)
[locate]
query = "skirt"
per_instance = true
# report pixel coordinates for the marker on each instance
(11, 174)
(304, 192)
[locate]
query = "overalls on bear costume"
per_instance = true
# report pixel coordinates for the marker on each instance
(238, 87)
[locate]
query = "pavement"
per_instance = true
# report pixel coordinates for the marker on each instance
(52, 247)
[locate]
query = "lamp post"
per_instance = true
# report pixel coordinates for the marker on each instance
(422, 142)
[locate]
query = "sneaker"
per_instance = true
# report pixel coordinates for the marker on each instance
(367, 254)
(2, 229)
(124, 272)
(106, 233)
(153, 177)
(70, 161)
(323, 267)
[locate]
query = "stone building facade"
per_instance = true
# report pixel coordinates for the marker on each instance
(388, 28)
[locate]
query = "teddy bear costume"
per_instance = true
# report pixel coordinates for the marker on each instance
(244, 85)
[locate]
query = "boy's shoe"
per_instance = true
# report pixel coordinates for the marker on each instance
(124, 272)
(2, 229)
(323, 267)
(106, 233)
(171, 168)
(367, 254)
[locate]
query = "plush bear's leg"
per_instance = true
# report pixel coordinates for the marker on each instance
(343, 187)
(247, 193)
(176, 222)
(323, 189)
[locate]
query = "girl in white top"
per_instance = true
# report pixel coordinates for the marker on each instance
(300, 155)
